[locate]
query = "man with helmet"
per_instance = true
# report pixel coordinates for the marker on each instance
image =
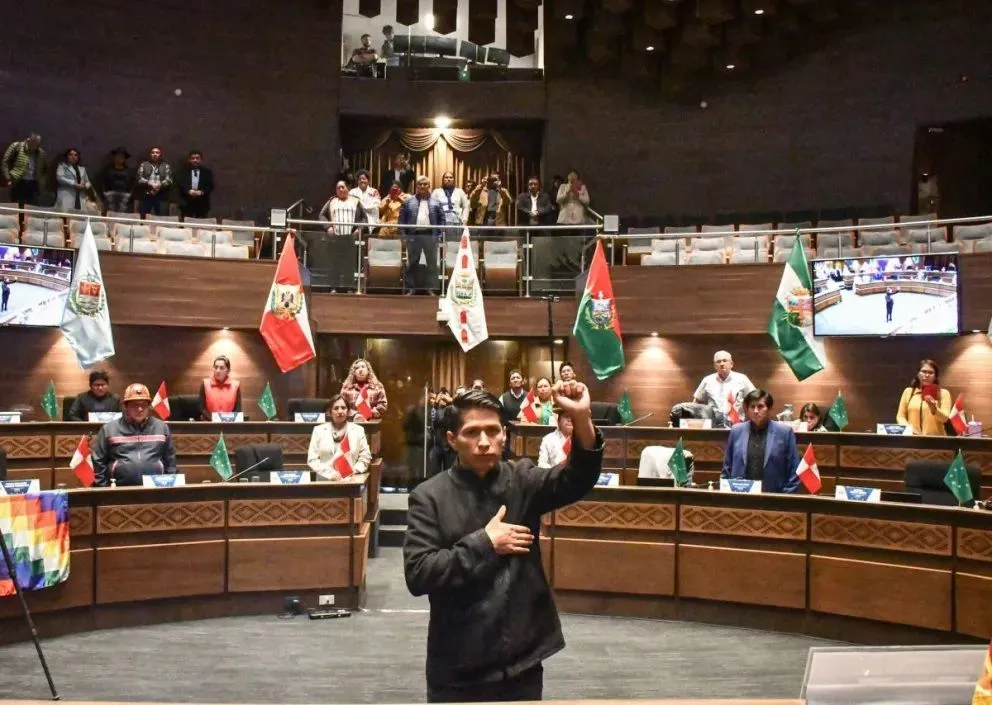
(134, 445)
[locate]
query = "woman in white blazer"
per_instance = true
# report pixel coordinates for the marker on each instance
(72, 183)
(324, 457)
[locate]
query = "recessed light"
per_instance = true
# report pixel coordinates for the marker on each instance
(569, 17)
(654, 334)
(759, 11)
(558, 341)
(649, 48)
(442, 121)
(226, 328)
(731, 67)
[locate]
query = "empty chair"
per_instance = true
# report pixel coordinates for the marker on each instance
(748, 248)
(892, 249)
(10, 229)
(708, 244)
(782, 246)
(634, 250)
(42, 224)
(385, 262)
(230, 252)
(184, 249)
(834, 239)
(157, 221)
(77, 226)
(919, 218)
(696, 256)
(141, 246)
(851, 252)
(659, 259)
(241, 237)
(754, 227)
(984, 245)
(127, 231)
(878, 238)
(967, 234)
(103, 243)
(666, 245)
(38, 238)
(174, 235)
(193, 222)
(921, 235)
(500, 264)
(451, 254)
(208, 237)
(877, 221)
(939, 247)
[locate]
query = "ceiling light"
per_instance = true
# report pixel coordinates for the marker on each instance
(569, 17)
(649, 48)
(654, 334)
(226, 328)
(429, 21)
(558, 341)
(442, 121)
(731, 67)
(759, 11)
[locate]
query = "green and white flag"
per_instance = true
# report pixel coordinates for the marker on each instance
(677, 465)
(838, 412)
(220, 460)
(791, 322)
(624, 409)
(267, 403)
(48, 401)
(957, 481)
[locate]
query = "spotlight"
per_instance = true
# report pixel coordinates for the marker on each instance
(569, 17)
(731, 67)
(442, 121)
(649, 48)
(226, 328)
(559, 341)
(654, 334)
(759, 11)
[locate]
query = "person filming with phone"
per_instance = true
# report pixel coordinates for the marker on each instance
(924, 405)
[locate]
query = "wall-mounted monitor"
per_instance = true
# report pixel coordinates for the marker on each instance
(887, 295)
(469, 50)
(500, 57)
(442, 46)
(34, 284)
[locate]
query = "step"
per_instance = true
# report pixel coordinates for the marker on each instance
(396, 517)
(392, 535)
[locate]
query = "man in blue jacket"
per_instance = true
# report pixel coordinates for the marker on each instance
(762, 449)
(426, 214)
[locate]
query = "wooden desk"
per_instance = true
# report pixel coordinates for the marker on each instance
(907, 286)
(142, 556)
(43, 450)
(826, 299)
(863, 573)
(863, 459)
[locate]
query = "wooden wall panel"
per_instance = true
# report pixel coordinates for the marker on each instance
(881, 591)
(632, 568)
(76, 591)
(879, 533)
(973, 595)
(737, 575)
(288, 563)
(872, 373)
(131, 573)
(180, 356)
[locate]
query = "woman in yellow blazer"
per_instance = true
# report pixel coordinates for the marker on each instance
(925, 413)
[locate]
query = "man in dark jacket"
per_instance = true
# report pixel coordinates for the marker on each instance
(135, 445)
(97, 399)
(196, 183)
(470, 546)
(420, 210)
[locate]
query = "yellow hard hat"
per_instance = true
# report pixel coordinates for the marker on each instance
(136, 392)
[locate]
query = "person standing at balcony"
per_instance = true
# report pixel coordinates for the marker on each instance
(71, 182)
(342, 211)
(573, 200)
(23, 168)
(154, 181)
(389, 209)
(117, 182)
(400, 173)
(454, 205)
(363, 58)
(421, 211)
(196, 183)
(367, 196)
(491, 202)
(388, 53)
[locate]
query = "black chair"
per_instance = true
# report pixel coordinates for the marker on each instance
(183, 407)
(605, 414)
(305, 405)
(249, 455)
(926, 478)
(67, 403)
(3, 465)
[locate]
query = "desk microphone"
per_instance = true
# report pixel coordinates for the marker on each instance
(639, 418)
(259, 464)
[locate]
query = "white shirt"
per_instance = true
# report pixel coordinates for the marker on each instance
(323, 448)
(194, 180)
(552, 450)
(370, 200)
(338, 211)
(714, 391)
(459, 206)
(424, 212)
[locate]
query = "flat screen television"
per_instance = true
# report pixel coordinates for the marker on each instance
(886, 295)
(34, 284)
(442, 46)
(470, 51)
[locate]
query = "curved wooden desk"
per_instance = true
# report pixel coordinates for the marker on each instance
(141, 555)
(863, 573)
(906, 286)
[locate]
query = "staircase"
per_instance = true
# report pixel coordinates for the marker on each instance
(392, 518)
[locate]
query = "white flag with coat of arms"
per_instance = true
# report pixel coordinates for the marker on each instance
(463, 301)
(86, 316)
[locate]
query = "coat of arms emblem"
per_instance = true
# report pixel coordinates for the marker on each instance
(286, 300)
(600, 311)
(88, 298)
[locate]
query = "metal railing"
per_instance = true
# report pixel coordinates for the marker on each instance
(47, 214)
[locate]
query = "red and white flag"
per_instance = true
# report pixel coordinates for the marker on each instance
(527, 407)
(566, 447)
(956, 416)
(285, 323)
(362, 405)
(732, 411)
(160, 404)
(82, 464)
(808, 472)
(466, 314)
(340, 461)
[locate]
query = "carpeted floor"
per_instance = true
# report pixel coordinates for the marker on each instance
(377, 657)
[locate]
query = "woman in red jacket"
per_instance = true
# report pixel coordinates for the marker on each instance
(219, 393)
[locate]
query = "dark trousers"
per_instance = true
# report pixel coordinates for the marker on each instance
(415, 244)
(888, 312)
(152, 203)
(528, 685)
(25, 192)
(3, 304)
(196, 207)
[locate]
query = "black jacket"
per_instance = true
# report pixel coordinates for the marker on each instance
(86, 404)
(544, 209)
(389, 176)
(185, 183)
(492, 616)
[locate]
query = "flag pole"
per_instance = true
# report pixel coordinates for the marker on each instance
(12, 572)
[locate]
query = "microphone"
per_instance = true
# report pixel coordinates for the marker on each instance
(248, 469)
(639, 418)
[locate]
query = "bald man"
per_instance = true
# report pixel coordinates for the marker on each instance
(717, 390)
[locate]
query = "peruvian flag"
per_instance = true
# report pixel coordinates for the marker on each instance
(340, 460)
(732, 412)
(82, 464)
(362, 405)
(527, 408)
(466, 314)
(160, 404)
(957, 416)
(285, 324)
(808, 472)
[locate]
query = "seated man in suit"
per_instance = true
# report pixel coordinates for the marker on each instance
(98, 399)
(134, 445)
(762, 449)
